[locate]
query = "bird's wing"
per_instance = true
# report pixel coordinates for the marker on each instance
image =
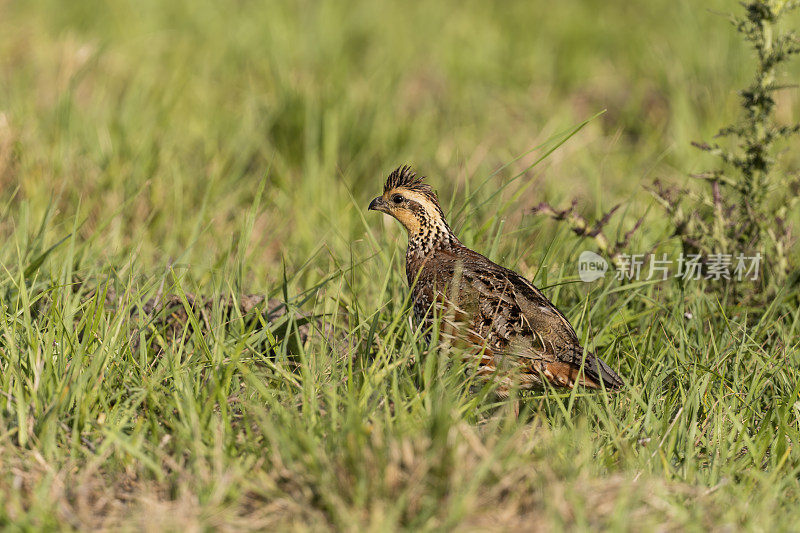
(517, 324)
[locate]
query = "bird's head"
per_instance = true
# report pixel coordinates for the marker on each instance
(413, 203)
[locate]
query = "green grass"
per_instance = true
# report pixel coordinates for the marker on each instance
(228, 148)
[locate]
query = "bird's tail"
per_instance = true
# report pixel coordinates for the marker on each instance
(598, 371)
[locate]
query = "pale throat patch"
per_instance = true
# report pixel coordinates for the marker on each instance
(408, 219)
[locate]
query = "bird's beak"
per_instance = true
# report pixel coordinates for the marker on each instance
(378, 205)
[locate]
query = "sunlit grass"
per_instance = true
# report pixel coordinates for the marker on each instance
(187, 147)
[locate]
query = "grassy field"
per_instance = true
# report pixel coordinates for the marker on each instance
(223, 148)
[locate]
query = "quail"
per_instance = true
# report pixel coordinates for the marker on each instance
(508, 329)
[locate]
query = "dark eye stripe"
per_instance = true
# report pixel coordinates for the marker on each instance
(416, 208)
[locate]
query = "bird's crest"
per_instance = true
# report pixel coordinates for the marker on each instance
(407, 178)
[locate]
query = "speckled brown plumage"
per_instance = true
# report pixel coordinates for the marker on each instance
(511, 330)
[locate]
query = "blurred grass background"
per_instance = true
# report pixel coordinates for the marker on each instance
(145, 131)
(180, 108)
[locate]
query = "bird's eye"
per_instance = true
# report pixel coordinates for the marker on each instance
(397, 198)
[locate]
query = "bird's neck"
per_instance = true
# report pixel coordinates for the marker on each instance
(429, 237)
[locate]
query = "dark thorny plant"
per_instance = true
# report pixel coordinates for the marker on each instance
(748, 199)
(744, 209)
(595, 229)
